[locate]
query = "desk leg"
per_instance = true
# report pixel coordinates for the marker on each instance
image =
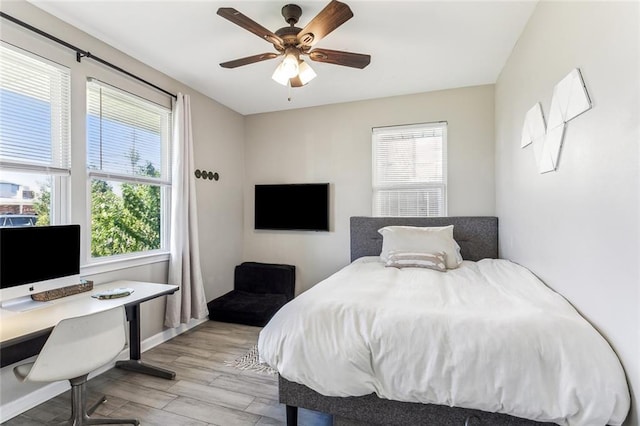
(134, 363)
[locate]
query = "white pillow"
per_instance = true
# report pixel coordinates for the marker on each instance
(421, 239)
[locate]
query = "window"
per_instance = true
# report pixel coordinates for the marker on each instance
(34, 138)
(128, 169)
(410, 170)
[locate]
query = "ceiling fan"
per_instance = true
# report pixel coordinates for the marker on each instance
(293, 42)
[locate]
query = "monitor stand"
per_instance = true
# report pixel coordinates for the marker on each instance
(22, 304)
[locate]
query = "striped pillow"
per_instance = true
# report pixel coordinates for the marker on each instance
(408, 259)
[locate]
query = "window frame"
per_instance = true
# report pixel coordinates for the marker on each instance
(406, 129)
(74, 203)
(126, 260)
(58, 173)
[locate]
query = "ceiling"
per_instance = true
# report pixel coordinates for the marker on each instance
(415, 46)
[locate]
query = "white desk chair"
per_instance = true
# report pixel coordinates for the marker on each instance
(76, 347)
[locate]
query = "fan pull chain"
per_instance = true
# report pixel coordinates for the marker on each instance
(289, 90)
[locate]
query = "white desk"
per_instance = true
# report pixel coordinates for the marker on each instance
(20, 327)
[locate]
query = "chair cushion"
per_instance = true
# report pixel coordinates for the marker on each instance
(243, 307)
(269, 278)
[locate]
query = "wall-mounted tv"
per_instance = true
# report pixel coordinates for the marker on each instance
(297, 207)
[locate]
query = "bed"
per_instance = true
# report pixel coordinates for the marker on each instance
(361, 345)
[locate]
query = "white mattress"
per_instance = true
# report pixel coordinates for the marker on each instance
(488, 335)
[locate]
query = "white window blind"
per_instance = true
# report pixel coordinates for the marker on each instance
(410, 170)
(126, 136)
(34, 113)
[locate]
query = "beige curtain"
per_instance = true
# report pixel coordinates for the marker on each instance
(184, 265)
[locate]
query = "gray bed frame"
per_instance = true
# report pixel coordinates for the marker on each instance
(478, 239)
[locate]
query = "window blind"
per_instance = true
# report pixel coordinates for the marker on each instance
(409, 170)
(34, 113)
(125, 136)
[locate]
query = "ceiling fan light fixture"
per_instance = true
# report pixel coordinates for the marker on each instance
(288, 68)
(290, 64)
(306, 73)
(280, 76)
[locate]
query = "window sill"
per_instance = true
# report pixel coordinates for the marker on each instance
(110, 265)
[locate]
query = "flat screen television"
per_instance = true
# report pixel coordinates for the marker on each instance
(296, 207)
(38, 258)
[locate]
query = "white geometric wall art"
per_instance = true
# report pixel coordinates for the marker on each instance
(551, 150)
(569, 100)
(534, 127)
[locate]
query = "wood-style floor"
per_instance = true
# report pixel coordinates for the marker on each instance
(205, 391)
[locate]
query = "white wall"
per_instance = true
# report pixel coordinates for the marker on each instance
(577, 228)
(218, 139)
(333, 144)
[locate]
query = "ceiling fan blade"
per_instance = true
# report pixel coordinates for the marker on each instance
(249, 60)
(329, 18)
(337, 57)
(249, 24)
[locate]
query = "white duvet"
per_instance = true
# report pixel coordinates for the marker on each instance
(488, 335)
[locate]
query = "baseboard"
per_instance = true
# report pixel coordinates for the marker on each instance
(51, 390)
(168, 334)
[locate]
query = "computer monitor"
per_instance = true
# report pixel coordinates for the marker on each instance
(35, 259)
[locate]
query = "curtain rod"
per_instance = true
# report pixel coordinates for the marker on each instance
(83, 53)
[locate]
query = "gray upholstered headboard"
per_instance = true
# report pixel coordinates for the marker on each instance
(476, 235)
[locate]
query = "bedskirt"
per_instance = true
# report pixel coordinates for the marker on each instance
(371, 410)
